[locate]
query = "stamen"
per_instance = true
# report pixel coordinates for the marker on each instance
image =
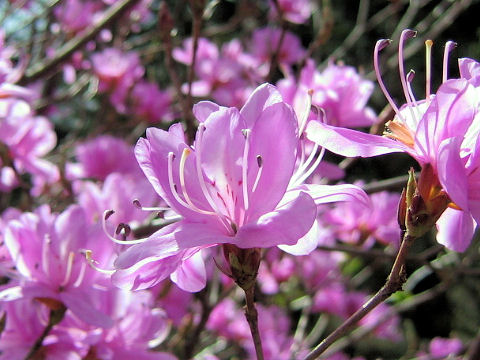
(449, 46)
(106, 215)
(92, 263)
(173, 187)
(246, 133)
(406, 34)
(81, 275)
(428, 65)
(380, 45)
(410, 76)
(137, 204)
(312, 168)
(125, 228)
(68, 273)
(399, 131)
(259, 173)
(301, 169)
(45, 254)
(308, 107)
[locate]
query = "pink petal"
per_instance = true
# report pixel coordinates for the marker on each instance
(78, 302)
(306, 244)
(451, 172)
(278, 162)
(455, 229)
(286, 225)
(323, 194)
(191, 276)
(264, 96)
(203, 109)
(351, 143)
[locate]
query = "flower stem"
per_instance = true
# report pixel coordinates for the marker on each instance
(56, 315)
(395, 281)
(252, 317)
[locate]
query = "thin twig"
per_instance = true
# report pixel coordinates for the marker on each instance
(252, 318)
(192, 340)
(76, 43)
(394, 283)
(395, 183)
(56, 315)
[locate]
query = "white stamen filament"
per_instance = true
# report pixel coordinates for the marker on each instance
(68, 273)
(91, 262)
(190, 205)
(306, 113)
(428, 71)
(259, 173)
(449, 46)
(381, 44)
(136, 202)
(106, 215)
(45, 254)
(246, 133)
(301, 169)
(198, 164)
(312, 168)
(81, 275)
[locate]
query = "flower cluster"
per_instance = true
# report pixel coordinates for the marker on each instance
(164, 164)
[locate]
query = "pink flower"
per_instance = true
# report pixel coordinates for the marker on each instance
(440, 347)
(117, 72)
(295, 11)
(47, 252)
(265, 43)
(101, 156)
(439, 132)
(223, 75)
(25, 321)
(339, 90)
(150, 103)
(222, 188)
(75, 15)
(27, 138)
(356, 224)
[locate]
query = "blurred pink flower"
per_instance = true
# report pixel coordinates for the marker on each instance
(117, 72)
(101, 156)
(295, 11)
(150, 103)
(358, 225)
(339, 90)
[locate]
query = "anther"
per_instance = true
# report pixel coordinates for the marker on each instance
(92, 263)
(259, 161)
(123, 227)
(449, 46)
(108, 213)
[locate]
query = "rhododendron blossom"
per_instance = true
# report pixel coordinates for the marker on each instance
(233, 186)
(439, 131)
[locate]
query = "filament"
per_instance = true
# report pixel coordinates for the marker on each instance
(449, 46)
(106, 215)
(380, 45)
(68, 273)
(246, 133)
(92, 263)
(428, 65)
